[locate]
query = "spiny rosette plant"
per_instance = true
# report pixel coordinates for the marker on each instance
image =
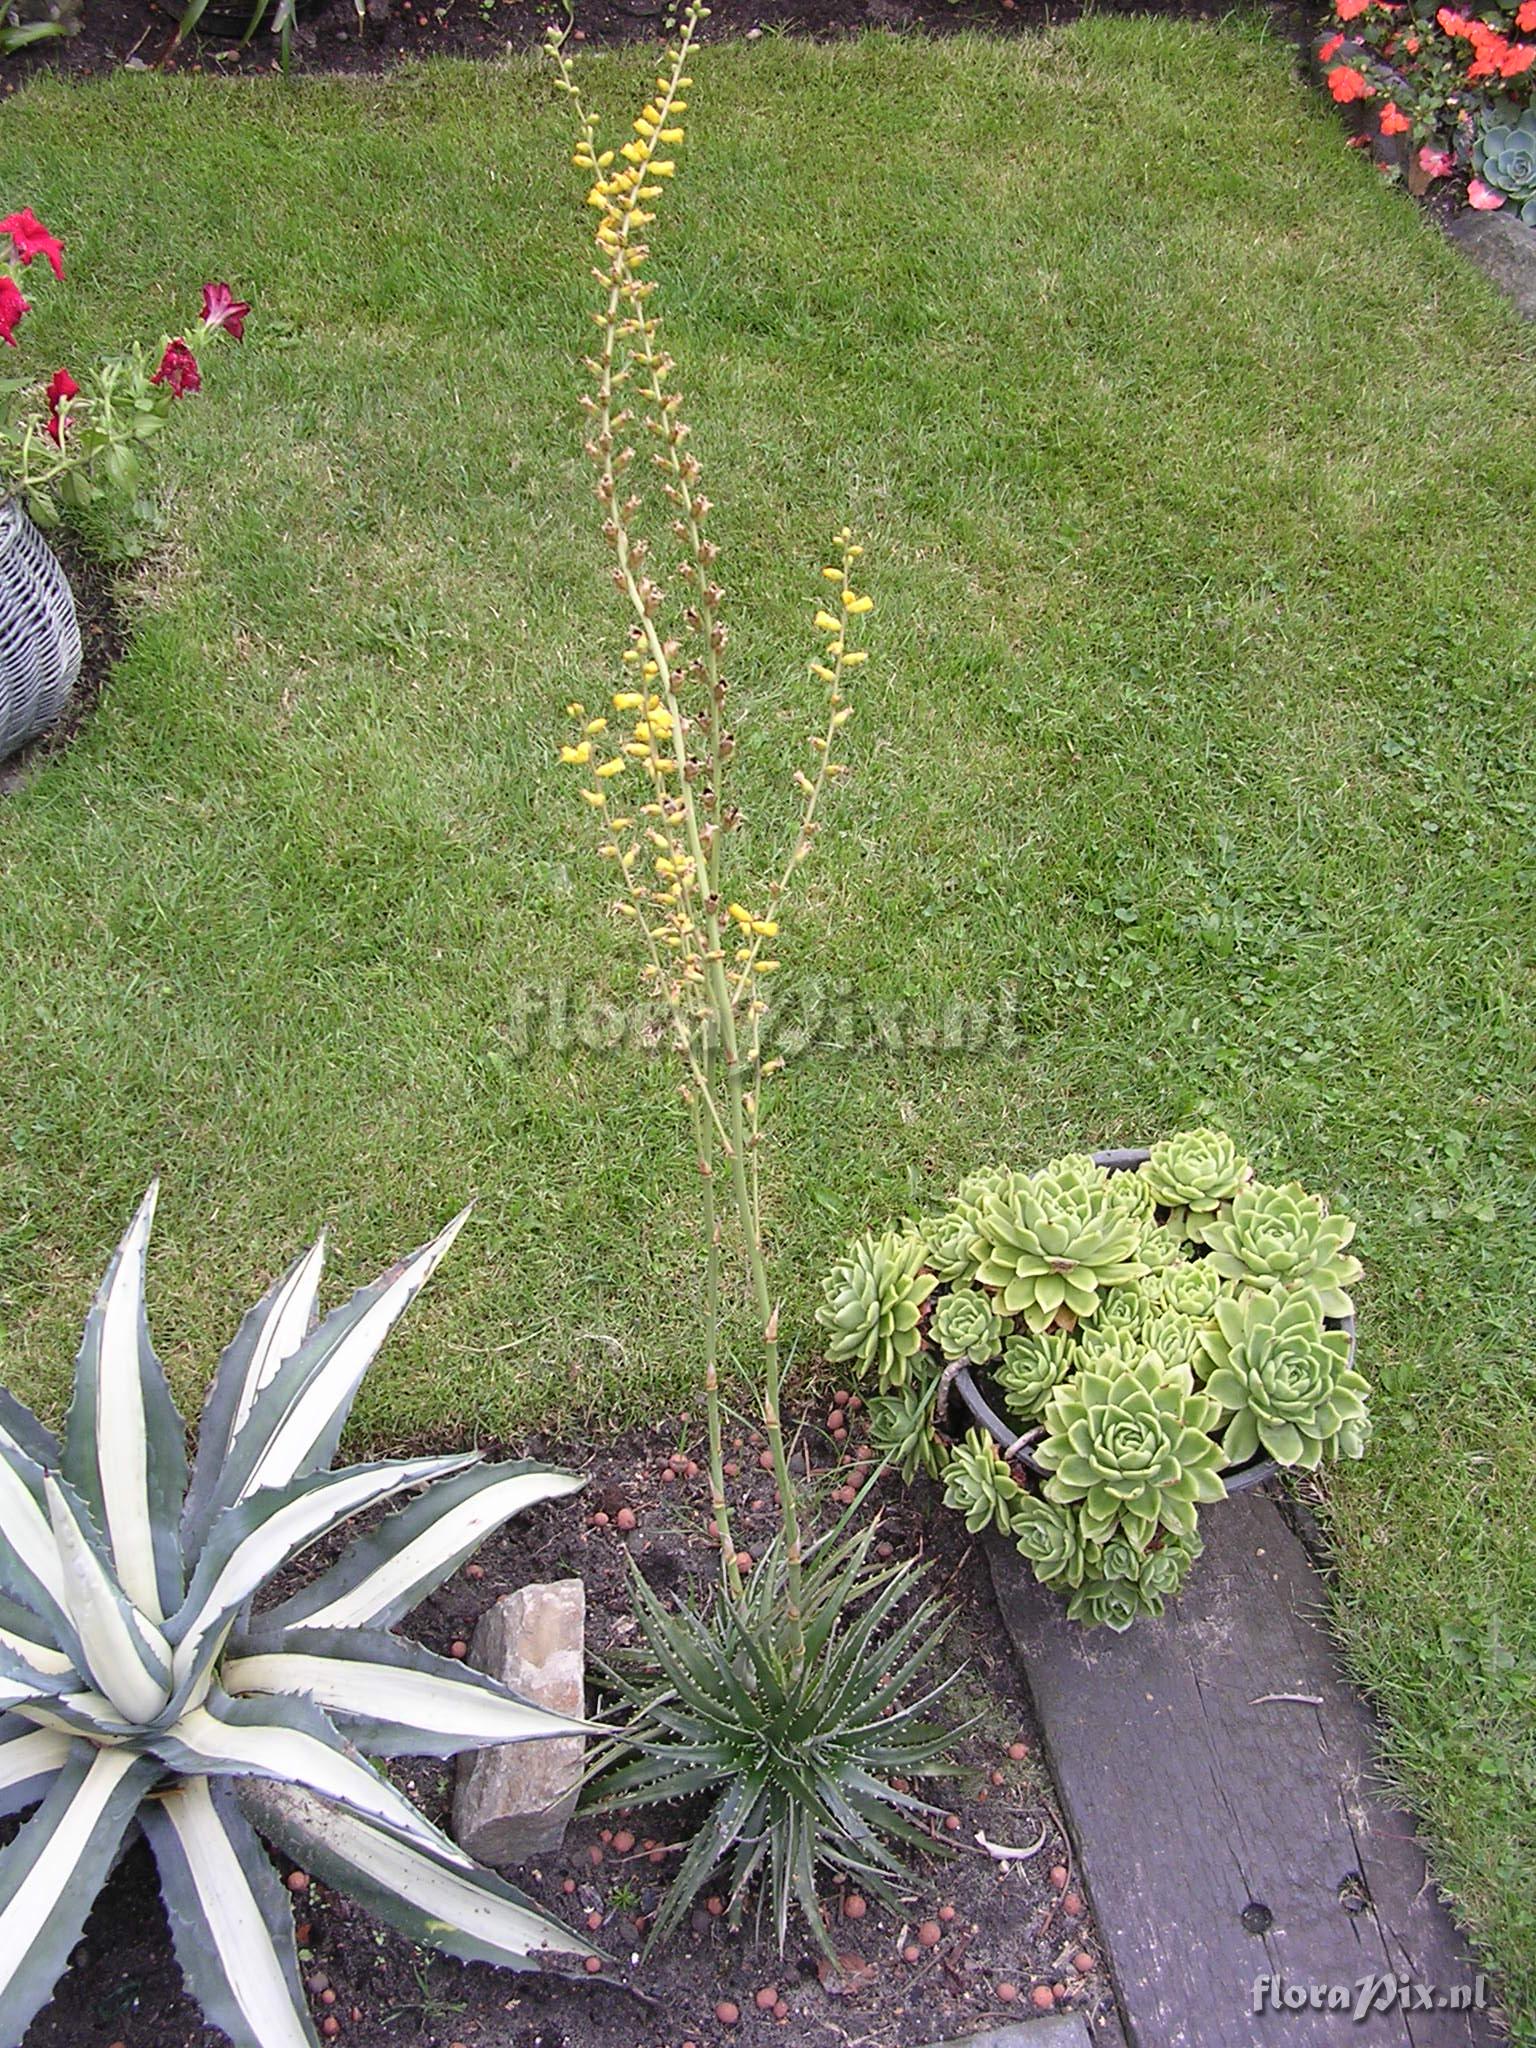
(1287, 1380)
(871, 1304)
(1206, 1241)
(136, 1685)
(59, 450)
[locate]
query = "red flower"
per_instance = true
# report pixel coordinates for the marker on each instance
(1526, 18)
(12, 306)
(1411, 43)
(31, 238)
(60, 386)
(178, 370)
(1483, 197)
(1453, 23)
(1346, 84)
(1517, 58)
(1393, 120)
(1346, 10)
(222, 309)
(1326, 52)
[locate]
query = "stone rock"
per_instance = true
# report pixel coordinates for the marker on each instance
(514, 1802)
(1505, 249)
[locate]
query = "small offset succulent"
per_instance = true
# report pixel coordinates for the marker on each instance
(872, 1300)
(1032, 1366)
(1176, 1339)
(965, 1324)
(1133, 1446)
(1283, 1238)
(135, 1686)
(1191, 1290)
(1504, 156)
(979, 1485)
(1287, 1380)
(947, 1242)
(1120, 1583)
(1192, 1176)
(901, 1427)
(1054, 1244)
(1050, 1537)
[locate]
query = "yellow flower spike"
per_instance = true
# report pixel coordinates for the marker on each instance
(738, 914)
(575, 710)
(819, 668)
(637, 750)
(857, 604)
(595, 797)
(611, 768)
(670, 135)
(833, 575)
(765, 927)
(577, 756)
(853, 660)
(825, 623)
(633, 152)
(650, 112)
(595, 725)
(627, 700)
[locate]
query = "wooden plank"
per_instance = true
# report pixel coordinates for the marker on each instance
(1226, 1833)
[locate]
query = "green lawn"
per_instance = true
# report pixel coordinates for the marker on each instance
(1198, 475)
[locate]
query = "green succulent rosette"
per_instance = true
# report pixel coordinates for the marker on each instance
(1121, 1584)
(1351, 1441)
(1504, 155)
(947, 1241)
(1162, 1249)
(1192, 1289)
(1132, 1446)
(1031, 1367)
(1053, 1246)
(1110, 1344)
(978, 1484)
(1192, 1176)
(1282, 1238)
(1124, 1308)
(1050, 1538)
(902, 1428)
(871, 1303)
(1131, 1193)
(1075, 1170)
(1287, 1381)
(1108, 1603)
(1176, 1340)
(965, 1324)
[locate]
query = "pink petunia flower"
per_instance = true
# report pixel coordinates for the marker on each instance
(222, 309)
(12, 307)
(61, 386)
(30, 238)
(178, 369)
(1483, 197)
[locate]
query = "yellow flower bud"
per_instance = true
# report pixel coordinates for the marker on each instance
(627, 700)
(594, 797)
(738, 914)
(853, 660)
(819, 668)
(578, 756)
(611, 768)
(595, 725)
(765, 927)
(575, 710)
(825, 623)
(637, 750)
(767, 967)
(833, 575)
(857, 604)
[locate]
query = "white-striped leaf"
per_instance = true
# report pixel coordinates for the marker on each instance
(269, 1334)
(385, 1573)
(19, 1426)
(125, 1448)
(123, 1652)
(230, 1922)
(51, 1873)
(425, 1893)
(24, 1635)
(249, 1543)
(291, 1740)
(392, 1698)
(296, 1420)
(79, 1712)
(30, 1759)
(30, 1570)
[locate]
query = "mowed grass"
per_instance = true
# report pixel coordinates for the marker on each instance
(1198, 479)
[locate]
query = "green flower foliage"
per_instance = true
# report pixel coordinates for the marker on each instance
(1287, 1380)
(1032, 1366)
(1050, 1537)
(901, 1427)
(1504, 156)
(947, 1240)
(1192, 1175)
(1283, 1238)
(966, 1325)
(979, 1485)
(1133, 1446)
(1107, 1603)
(1120, 1583)
(1053, 1244)
(871, 1302)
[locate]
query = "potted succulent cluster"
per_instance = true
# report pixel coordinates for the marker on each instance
(1158, 1328)
(68, 441)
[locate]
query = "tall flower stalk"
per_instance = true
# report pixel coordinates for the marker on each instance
(654, 764)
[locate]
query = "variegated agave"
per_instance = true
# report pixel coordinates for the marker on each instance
(135, 1687)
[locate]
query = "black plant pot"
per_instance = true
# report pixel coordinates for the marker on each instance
(973, 1398)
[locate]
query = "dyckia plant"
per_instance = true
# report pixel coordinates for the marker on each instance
(653, 764)
(83, 433)
(138, 1688)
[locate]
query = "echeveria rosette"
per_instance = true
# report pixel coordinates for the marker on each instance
(901, 1427)
(1504, 156)
(1075, 1170)
(1050, 1538)
(1191, 1290)
(1133, 1447)
(947, 1242)
(1125, 1308)
(1053, 1247)
(135, 1687)
(871, 1305)
(1287, 1380)
(1192, 1175)
(978, 1484)
(1176, 1340)
(1130, 1191)
(1282, 1239)
(965, 1324)
(1121, 1584)
(1031, 1367)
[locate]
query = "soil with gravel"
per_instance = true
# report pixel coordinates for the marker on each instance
(976, 1942)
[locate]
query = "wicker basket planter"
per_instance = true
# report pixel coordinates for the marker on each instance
(39, 632)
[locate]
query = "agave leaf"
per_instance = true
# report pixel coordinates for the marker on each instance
(51, 1873)
(122, 1651)
(230, 1922)
(23, 1635)
(125, 1448)
(296, 1419)
(268, 1335)
(392, 1698)
(430, 1894)
(292, 1740)
(20, 1427)
(21, 1682)
(79, 1712)
(30, 1759)
(30, 1568)
(248, 1543)
(385, 1573)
